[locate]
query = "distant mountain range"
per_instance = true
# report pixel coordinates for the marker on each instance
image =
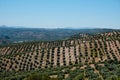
(16, 34)
(87, 27)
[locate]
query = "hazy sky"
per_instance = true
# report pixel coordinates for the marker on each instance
(60, 13)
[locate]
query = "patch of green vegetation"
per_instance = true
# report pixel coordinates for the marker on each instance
(39, 77)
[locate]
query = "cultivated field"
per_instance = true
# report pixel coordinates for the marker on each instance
(81, 57)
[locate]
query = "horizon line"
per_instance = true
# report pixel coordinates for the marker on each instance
(6, 26)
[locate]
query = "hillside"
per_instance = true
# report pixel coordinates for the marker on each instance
(83, 56)
(18, 35)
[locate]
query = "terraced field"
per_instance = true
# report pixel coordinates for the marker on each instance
(81, 57)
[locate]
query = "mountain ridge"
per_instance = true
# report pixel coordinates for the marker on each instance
(42, 34)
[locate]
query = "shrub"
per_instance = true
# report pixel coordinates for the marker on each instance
(39, 77)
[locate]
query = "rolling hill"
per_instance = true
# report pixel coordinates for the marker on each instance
(18, 35)
(82, 56)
